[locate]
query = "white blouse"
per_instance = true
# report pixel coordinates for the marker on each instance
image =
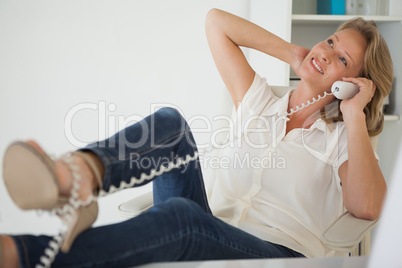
(282, 189)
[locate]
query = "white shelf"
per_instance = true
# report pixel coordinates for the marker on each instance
(334, 20)
(391, 117)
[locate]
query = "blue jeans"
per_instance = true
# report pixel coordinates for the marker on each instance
(180, 226)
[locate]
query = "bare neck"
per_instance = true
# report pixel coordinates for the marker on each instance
(308, 115)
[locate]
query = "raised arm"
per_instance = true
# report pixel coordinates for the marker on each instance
(363, 183)
(227, 32)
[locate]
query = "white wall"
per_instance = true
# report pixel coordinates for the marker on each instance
(273, 18)
(386, 247)
(55, 55)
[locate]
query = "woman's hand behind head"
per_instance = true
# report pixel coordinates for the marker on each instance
(299, 54)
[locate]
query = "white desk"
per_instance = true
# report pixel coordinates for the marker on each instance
(335, 262)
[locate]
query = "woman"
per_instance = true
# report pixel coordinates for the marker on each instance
(271, 212)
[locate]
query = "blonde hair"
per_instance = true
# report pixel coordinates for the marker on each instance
(377, 66)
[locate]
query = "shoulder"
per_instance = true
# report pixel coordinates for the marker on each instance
(257, 96)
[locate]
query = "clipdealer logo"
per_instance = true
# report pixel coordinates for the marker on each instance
(239, 129)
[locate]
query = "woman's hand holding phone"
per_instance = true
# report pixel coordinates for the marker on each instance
(362, 98)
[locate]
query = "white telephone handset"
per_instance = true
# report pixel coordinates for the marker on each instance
(344, 90)
(340, 89)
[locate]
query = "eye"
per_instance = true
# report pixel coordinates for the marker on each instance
(343, 60)
(331, 43)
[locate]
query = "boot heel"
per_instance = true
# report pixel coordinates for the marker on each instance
(84, 215)
(80, 221)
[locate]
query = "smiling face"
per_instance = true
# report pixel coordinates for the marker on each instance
(341, 55)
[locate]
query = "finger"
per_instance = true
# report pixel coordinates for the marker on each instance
(370, 86)
(355, 80)
(361, 82)
(347, 79)
(374, 87)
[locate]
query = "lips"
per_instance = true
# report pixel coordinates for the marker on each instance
(315, 64)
